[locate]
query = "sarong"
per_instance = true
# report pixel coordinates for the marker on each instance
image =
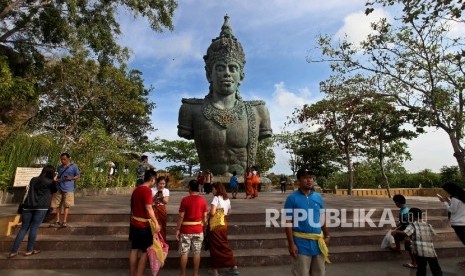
(162, 218)
(220, 252)
(248, 188)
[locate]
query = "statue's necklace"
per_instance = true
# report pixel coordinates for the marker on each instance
(223, 117)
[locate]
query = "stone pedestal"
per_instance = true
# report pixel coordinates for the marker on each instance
(265, 182)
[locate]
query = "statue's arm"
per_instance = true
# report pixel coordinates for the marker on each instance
(265, 123)
(185, 128)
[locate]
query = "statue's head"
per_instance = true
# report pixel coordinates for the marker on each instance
(224, 48)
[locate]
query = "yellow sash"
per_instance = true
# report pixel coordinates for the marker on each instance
(316, 237)
(191, 223)
(156, 245)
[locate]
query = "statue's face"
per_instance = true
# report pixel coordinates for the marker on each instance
(225, 77)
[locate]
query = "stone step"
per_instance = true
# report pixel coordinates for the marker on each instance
(235, 228)
(118, 259)
(122, 228)
(263, 241)
(259, 215)
(437, 222)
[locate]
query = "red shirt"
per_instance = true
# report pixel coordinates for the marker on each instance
(194, 208)
(140, 197)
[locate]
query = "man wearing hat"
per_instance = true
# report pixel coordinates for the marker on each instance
(306, 232)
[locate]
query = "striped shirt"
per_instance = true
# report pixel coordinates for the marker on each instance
(421, 234)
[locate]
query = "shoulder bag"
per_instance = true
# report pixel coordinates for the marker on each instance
(21, 205)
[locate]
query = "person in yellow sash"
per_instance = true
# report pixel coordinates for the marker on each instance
(140, 231)
(190, 228)
(306, 231)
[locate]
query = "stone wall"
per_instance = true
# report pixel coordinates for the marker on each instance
(395, 191)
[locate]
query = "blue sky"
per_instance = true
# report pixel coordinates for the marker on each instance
(277, 36)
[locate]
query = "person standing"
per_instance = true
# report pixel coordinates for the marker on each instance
(35, 209)
(200, 179)
(283, 182)
(220, 250)
(191, 221)
(456, 208)
(142, 168)
(307, 239)
(248, 183)
(421, 235)
(68, 173)
(161, 196)
(234, 184)
(255, 182)
(140, 232)
(207, 181)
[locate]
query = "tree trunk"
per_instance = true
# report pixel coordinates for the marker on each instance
(350, 172)
(459, 153)
(11, 119)
(383, 170)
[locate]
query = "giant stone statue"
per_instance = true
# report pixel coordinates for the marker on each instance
(225, 128)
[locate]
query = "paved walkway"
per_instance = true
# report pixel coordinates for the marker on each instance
(449, 266)
(119, 204)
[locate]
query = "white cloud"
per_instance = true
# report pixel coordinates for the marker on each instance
(432, 150)
(284, 102)
(457, 29)
(357, 25)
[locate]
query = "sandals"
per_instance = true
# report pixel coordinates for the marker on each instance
(33, 252)
(409, 265)
(56, 224)
(233, 271)
(12, 255)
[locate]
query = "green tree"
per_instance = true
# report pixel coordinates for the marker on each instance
(337, 116)
(417, 62)
(450, 174)
(383, 132)
(31, 30)
(95, 150)
(417, 8)
(77, 91)
(313, 150)
(18, 99)
(289, 141)
(24, 149)
(265, 159)
(181, 152)
(37, 25)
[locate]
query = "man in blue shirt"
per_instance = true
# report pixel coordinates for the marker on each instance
(306, 231)
(234, 184)
(64, 198)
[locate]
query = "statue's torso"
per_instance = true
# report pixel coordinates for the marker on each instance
(221, 138)
(221, 149)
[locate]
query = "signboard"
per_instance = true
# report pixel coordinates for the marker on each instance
(24, 175)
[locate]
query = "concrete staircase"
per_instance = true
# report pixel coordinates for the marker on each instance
(101, 241)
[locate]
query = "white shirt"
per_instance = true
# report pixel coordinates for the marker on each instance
(165, 193)
(457, 212)
(219, 202)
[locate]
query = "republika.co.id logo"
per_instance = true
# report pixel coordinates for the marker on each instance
(359, 218)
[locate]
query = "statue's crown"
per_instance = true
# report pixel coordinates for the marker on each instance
(224, 47)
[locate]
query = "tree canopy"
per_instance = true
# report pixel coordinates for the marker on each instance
(417, 61)
(76, 91)
(179, 151)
